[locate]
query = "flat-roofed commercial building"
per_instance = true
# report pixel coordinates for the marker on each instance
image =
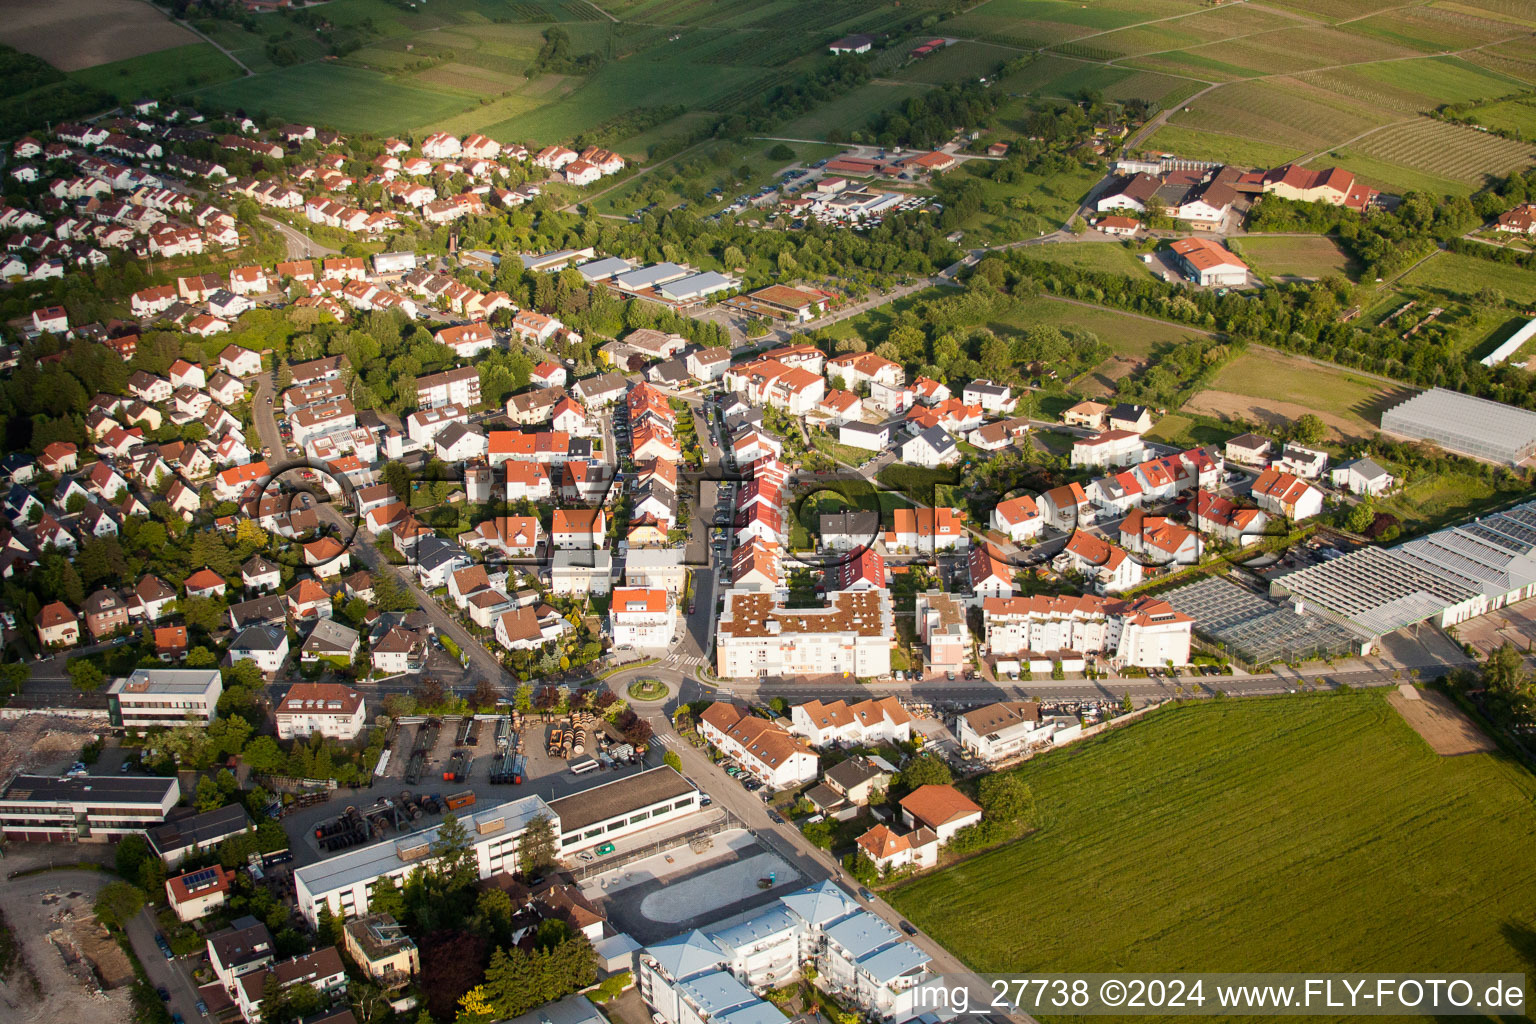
(164, 696)
(1483, 429)
(346, 882)
(622, 808)
(85, 808)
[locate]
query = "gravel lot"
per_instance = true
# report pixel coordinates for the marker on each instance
(34, 907)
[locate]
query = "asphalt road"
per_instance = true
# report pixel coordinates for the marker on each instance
(170, 973)
(300, 245)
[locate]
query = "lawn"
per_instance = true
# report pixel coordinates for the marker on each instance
(1292, 255)
(1127, 335)
(1104, 257)
(1277, 389)
(1262, 834)
(158, 74)
(350, 99)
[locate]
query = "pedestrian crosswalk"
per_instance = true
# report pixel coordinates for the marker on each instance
(684, 661)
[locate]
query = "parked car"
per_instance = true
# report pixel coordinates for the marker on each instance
(163, 992)
(907, 927)
(202, 1008)
(865, 894)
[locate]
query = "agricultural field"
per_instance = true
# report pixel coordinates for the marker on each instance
(1464, 276)
(1281, 112)
(349, 99)
(1197, 144)
(1224, 840)
(1447, 151)
(1266, 387)
(957, 63)
(1292, 256)
(156, 74)
(76, 34)
(849, 112)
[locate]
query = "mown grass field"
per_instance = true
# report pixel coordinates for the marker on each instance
(342, 97)
(1106, 257)
(848, 112)
(1306, 256)
(1464, 276)
(156, 74)
(1264, 834)
(1267, 386)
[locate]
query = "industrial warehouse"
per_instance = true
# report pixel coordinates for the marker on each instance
(1447, 577)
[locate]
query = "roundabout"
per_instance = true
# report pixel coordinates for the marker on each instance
(648, 689)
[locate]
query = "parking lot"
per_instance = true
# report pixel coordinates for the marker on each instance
(544, 776)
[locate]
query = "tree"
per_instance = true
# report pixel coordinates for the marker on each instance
(781, 152)
(1006, 797)
(494, 909)
(131, 853)
(85, 676)
(536, 849)
(671, 760)
(455, 856)
(926, 770)
(208, 797)
(1360, 518)
(117, 903)
(1309, 429)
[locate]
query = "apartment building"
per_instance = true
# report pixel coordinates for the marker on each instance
(330, 709)
(459, 387)
(764, 748)
(642, 616)
(758, 636)
(1145, 632)
(865, 723)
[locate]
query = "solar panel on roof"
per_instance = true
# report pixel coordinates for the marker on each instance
(201, 879)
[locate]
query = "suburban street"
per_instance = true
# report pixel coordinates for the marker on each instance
(300, 245)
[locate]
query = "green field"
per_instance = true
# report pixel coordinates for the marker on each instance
(1465, 276)
(1126, 334)
(1446, 150)
(349, 99)
(1105, 257)
(159, 74)
(1437, 500)
(849, 112)
(1277, 389)
(1309, 256)
(1262, 834)
(1197, 144)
